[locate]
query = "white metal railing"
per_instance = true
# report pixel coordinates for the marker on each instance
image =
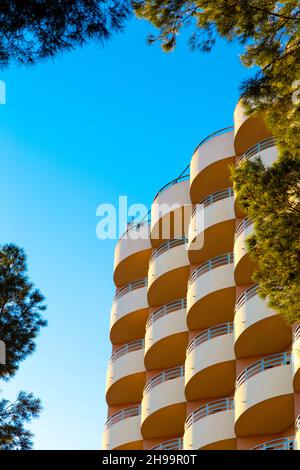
(164, 376)
(284, 443)
(211, 408)
(166, 247)
(246, 295)
(242, 226)
(125, 413)
(214, 134)
(165, 310)
(136, 225)
(127, 348)
(214, 332)
(269, 362)
(130, 287)
(214, 197)
(297, 333)
(256, 149)
(213, 263)
(171, 183)
(174, 444)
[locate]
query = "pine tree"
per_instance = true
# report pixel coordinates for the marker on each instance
(13, 416)
(31, 31)
(21, 308)
(271, 197)
(269, 32)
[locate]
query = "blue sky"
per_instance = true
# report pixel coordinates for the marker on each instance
(77, 132)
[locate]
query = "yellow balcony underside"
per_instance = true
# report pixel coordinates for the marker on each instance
(213, 309)
(213, 178)
(129, 389)
(165, 422)
(213, 382)
(167, 352)
(272, 416)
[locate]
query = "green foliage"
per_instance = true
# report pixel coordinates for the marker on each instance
(231, 19)
(271, 197)
(21, 307)
(269, 32)
(13, 435)
(33, 30)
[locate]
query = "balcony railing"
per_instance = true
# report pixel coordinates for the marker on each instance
(269, 362)
(214, 134)
(165, 310)
(164, 376)
(242, 226)
(174, 444)
(127, 348)
(246, 295)
(171, 183)
(211, 333)
(130, 287)
(256, 149)
(121, 415)
(136, 225)
(209, 265)
(209, 409)
(167, 246)
(297, 333)
(284, 443)
(214, 197)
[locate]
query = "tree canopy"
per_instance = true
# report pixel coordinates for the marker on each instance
(13, 416)
(21, 308)
(269, 33)
(271, 197)
(33, 30)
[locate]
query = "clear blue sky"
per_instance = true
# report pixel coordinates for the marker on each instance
(77, 132)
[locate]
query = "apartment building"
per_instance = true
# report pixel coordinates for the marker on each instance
(199, 360)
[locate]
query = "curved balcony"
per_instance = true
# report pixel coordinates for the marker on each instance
(132, 254)
(168, 272)
(122, 430)
(243, 264)
(267, 151)
(210, 364)
(164, 405)
(171, 211)
(264, 400)
(173, 444)
(212, 226)
(296, 360)
(248, 130)
(211, 293)
(284, 443)
(126, 374)
(210, 164)
(166, 336)
(253, 322)
(211, 427)
(129, 312)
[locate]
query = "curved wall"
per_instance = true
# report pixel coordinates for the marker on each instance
(180, 285)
